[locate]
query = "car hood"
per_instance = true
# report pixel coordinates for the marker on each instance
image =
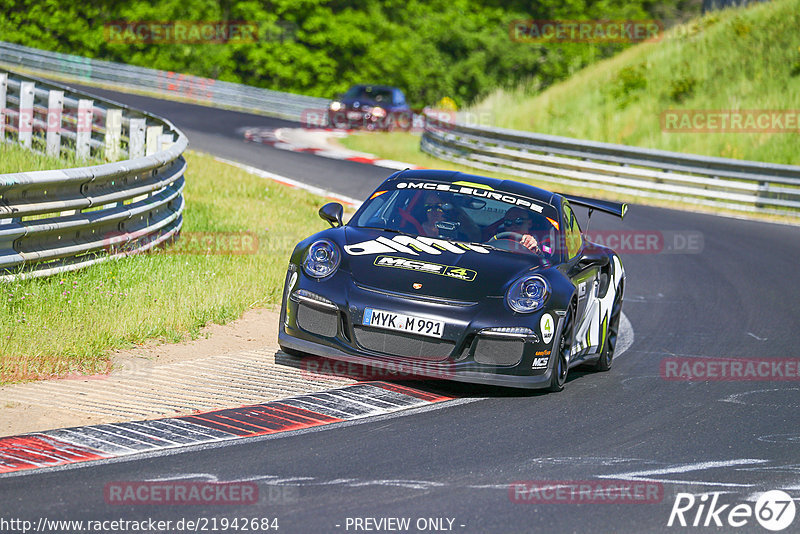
(421, 266)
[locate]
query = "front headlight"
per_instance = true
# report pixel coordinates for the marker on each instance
(335, 106)
(322, 259)
(528, 294)
(378, 113)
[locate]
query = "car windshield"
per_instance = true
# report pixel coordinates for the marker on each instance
(473, 218)
(375, 94)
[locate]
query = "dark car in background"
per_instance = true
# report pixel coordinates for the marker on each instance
(372, 107)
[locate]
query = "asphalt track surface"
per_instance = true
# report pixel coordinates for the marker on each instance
(736, 298)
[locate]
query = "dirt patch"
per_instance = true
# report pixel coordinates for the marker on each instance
(255, 329)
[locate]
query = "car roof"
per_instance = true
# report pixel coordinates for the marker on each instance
(510, 186)
(375, 86)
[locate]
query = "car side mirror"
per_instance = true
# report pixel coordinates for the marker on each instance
(593, 259)
(332, 212)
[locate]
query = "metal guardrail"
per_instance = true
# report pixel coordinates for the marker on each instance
(716, 182)
(62, 220)
(194, 88)
(738, 185)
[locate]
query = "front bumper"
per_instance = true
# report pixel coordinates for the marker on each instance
(415, 368)
(354, 118)
(330, 325)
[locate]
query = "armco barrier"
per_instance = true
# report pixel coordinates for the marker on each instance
(62, 220)
(716, 182)
(195, 88)
(738, 185)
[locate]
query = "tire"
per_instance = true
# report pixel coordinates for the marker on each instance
(612, 332)
(560, 370)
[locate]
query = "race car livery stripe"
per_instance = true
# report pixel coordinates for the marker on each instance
(96, 442)
(508, 198)
(383, 245)
(474, 185)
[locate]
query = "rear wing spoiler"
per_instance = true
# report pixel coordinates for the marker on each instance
(607, 206)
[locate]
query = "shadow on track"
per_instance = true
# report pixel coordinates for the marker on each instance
(317, 367)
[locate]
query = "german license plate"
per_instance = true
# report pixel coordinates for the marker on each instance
(403, 323)
(354, 115)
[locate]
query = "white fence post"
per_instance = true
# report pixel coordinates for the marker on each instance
(25, 124)
(153, 139)
(136, 138)
(113, 133)
(3, 86)
(55, 107)
(84, 129)
(165, 141)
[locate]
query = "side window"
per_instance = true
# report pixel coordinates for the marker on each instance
(399, 99)
(572, 232)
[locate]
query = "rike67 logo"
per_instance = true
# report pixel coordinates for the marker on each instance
(774, 510)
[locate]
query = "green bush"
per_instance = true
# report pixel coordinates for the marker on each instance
(630, 80)
(682, 88)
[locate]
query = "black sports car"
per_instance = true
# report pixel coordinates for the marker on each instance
(460, 277)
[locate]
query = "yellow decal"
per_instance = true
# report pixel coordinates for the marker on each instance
(467, 275)
(473, 184)
(376, 194)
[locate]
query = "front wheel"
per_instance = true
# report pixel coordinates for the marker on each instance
(562, 351)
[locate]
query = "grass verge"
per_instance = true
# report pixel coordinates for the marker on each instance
(69, 324)
(14, 158)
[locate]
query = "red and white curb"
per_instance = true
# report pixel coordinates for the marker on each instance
(317, 141)
(96, 442)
